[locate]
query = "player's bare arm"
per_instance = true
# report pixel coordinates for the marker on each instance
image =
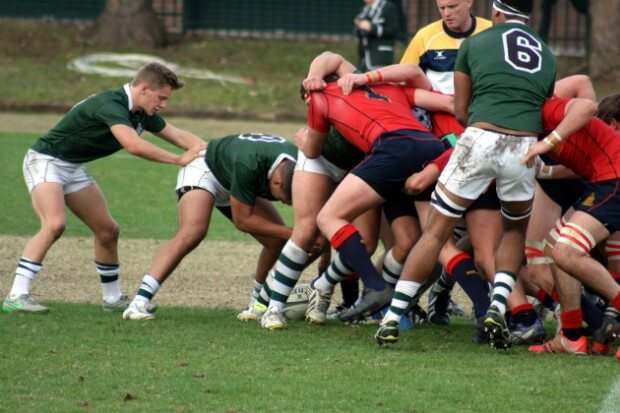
(544, 171)
(246, 219)
(407, 73)
(575, 86)
(300, 137)
(419, 181)
(462, 97)
(323, 65)
(327, 63)
(576, 114)
(313, 143)
(434, 102)
(179, 137)
(135, 145)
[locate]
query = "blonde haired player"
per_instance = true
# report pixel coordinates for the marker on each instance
(95, 127)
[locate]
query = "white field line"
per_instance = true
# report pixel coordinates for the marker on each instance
(126, 64)
(611, 404)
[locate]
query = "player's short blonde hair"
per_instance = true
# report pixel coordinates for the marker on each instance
(157, 76)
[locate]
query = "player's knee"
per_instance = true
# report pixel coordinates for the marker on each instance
(574, 241)
(561, 253)
(109, 232)
(303, 240)
(402, 247)
(189, 237)
(55, 227)
(304, 233)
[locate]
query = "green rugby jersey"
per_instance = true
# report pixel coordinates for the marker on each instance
(340, 152)
(83, 134)
(243, 163)
(512, 73)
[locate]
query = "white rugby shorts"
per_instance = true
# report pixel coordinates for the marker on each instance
(481, 156)
(197, 174)
(319, 165)
(39, 168)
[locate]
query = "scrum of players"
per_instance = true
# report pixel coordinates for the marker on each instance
(518, 148)
(508, 184)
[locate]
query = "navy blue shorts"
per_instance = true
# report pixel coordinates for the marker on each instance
(602, 201)
(393, 157)
(564, 192)
(400, 204)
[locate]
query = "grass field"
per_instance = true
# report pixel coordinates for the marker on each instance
(29, 48)
(200, 358)
(81, 359)
(196, 356)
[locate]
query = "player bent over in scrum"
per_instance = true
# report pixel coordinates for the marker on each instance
(498, 135)
(313, 182)
(592, 150)
(377, 119)
(238, 175)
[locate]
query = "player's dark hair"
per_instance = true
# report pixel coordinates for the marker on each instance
(609, 108)
(332, 77)
(515, 6)
(157, 76)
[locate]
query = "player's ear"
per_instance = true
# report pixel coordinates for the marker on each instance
(276, 177)
(275, 184)
(143, 87)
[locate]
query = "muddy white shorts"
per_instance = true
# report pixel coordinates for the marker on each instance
(39, 168)
(197, 174)
(480, 156)
(319, 165)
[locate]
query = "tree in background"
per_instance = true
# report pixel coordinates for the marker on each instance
(582, 6)
(130, 22)
(604, 47)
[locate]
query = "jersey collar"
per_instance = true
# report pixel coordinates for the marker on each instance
(128, 92)
(461, 35)
(279, 159)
